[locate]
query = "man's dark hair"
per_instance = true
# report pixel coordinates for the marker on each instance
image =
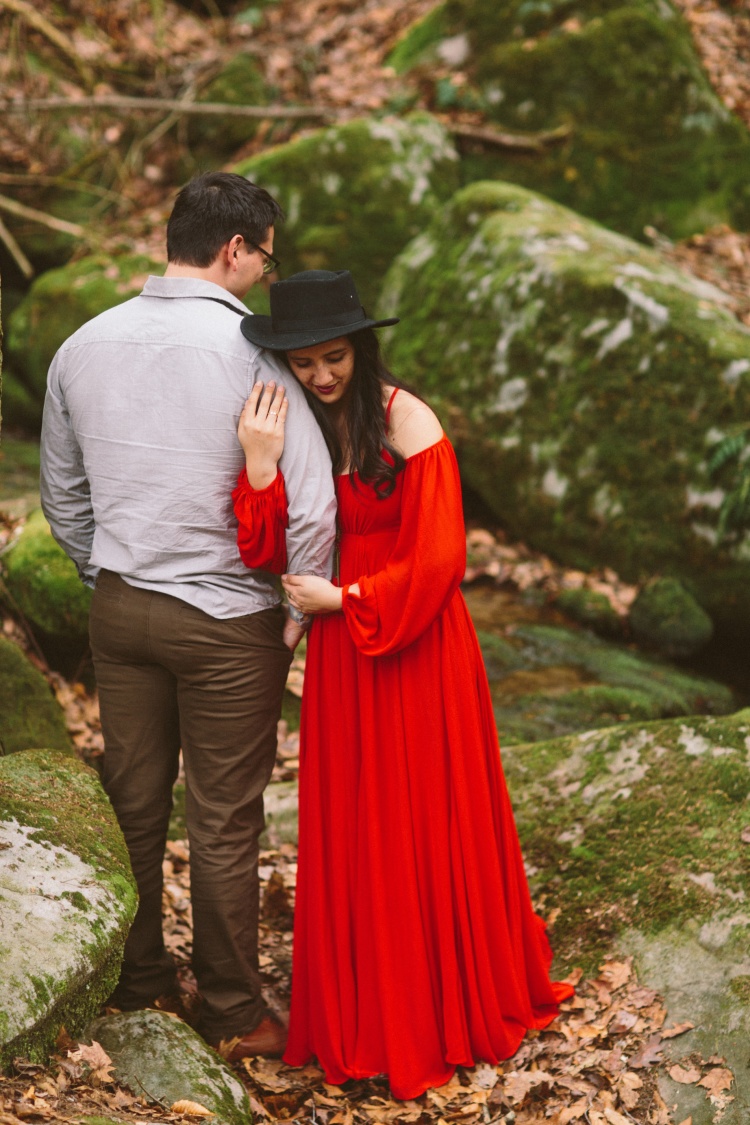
(210, 210)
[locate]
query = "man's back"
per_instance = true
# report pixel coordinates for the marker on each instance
(153, 390)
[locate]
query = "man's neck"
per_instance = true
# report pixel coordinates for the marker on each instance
(214, 273)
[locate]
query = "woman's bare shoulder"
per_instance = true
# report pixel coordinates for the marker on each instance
(413, 425)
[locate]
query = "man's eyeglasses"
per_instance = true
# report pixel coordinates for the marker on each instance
(269, 262)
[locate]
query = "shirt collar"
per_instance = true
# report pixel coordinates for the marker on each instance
(189, 287)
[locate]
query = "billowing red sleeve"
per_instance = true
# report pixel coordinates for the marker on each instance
(262, 518)
(427, 565)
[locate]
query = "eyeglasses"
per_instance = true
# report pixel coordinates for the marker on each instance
(269, 262)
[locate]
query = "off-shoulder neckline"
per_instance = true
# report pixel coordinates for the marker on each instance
(427, 449)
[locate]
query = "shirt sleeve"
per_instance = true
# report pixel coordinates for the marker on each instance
(65, 489)
(397, 604)
(262, 518)
(307, 477)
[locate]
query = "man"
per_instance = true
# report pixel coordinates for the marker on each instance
(139, 459)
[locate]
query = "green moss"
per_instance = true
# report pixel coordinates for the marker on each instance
(547, 682)
(667, 617)
(583, 380)
(615, 823)
(59, 302)
(417, 45)
(240, 82)
(592, 609)
(356, 193)
(19, 464)
(649, 141)
(740, 986)
(29, 714)
(44, 583)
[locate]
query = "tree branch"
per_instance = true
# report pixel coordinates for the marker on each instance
(170, 105)
(60, 225)
(516, 142)
(41, 24)
(16, 252)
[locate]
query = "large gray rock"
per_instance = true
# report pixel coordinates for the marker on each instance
(355, 194)
(637, 834)
(646, 138)
(585, 381)
(165, 1060)
(67, 899)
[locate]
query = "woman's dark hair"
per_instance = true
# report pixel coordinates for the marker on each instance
(368, 449)
(210, 210)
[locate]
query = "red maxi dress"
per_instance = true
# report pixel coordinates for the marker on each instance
(416, 947)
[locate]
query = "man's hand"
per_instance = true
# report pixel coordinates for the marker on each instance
(261, 433)
(293, 633)
(311, 594)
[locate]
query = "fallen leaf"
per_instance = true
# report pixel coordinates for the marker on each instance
(615, 974)
(717, 1080)
(649, 1054)
(615, 1118)
(686, 1077)
(96, 1058)
(191, 1109)
(678, 1029)
(687, 1121)
(621, 1022)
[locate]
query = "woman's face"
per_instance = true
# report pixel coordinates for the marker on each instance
(326, 370)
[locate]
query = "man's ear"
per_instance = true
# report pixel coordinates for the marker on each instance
(232, 249)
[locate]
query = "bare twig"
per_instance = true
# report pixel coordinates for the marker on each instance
(16, 252)
(169, 105)
(49, 31)
(24, 179)
(61, 225)
(518, 142)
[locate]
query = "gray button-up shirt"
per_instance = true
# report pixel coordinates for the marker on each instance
(140, 451)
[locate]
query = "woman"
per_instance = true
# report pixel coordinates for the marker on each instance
(416, 947)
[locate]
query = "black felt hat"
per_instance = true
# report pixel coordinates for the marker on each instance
(309, 308)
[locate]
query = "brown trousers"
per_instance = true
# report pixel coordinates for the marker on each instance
(170, 677)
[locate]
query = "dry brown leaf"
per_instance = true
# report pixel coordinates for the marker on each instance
(717, 1080)
(96, 1058)
(572, 1113)
(614, 1118)
(622, 1021)
(678, 1029)
(648, 1055)
(615, 974)
(191, 1109)
(687, 1121)
(686, 1077)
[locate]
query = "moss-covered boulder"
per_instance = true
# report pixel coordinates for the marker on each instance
(666, 616)
(239, 82)
(636, 835)
(591, 609)
(67, 899)
(29, 713)
(165, 1060)
(355, 194)
(648, 141)
(56, 305)
(585, 382)
(45, 586)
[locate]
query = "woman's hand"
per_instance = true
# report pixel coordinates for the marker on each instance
(310, 594)
(261, 433)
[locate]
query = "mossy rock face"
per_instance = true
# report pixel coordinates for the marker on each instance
(44, 583)
(649, 141)
(165, 1060)
(647, 817)
(592, 609)
(59, 302)
(240, 82)
(584, 381)
(355, 194)
(29, 713)
(67, 899)
(547, 681)
(665, 616)
(21, 409)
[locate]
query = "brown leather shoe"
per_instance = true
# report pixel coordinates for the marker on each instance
(267, 1039)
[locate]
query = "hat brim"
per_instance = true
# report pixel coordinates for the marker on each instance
(259, 330)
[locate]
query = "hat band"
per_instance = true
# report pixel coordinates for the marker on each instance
(330, 320)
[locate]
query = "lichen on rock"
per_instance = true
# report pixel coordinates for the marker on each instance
(648, 142)
(29, 714)
(584, 380)
(355, 194)
(163, 1059)
(67, 899)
